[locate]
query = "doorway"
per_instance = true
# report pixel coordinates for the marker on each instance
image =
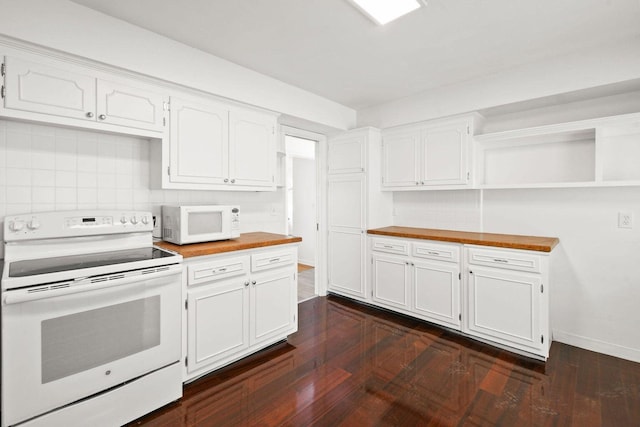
(303, 202)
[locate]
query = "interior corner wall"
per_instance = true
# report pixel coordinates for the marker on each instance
(71, 28)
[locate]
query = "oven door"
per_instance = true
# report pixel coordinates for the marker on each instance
(57, 350)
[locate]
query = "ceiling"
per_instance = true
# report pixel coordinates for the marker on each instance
(329, 48)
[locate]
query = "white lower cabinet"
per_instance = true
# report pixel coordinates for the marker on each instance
(425, 288)
(508, 304)
(502, 298)
(238, 304)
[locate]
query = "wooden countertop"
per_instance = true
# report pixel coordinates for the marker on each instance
(245, 241)
(512, 241)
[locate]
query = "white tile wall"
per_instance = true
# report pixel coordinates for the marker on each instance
(452, 210)
(45, 168)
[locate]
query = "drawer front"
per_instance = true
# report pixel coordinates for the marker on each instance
(273, 259)
(399, 247)
(512, 260)
(208, 271)
(436, 251)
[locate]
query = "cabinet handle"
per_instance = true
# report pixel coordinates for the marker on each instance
(222, 270)
(433, 253)
(504, 261)
(226, 180)
(274, 260)
(388, 246)
(102, 117)
(89, 114)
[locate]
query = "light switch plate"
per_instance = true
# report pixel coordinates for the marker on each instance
(625, 220)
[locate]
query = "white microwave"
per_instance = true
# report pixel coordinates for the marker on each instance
(192, 224)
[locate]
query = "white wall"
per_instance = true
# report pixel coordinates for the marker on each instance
(304, 207)
(582, 70)
(75, 29)
(45, 168)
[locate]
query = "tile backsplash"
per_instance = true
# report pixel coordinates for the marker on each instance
(45, 168)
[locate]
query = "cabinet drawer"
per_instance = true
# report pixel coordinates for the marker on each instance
(207, 271)
(437, 251)
(512, 260)
(399, 247)
(274, 259)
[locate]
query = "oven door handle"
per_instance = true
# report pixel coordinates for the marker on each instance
(18, 296)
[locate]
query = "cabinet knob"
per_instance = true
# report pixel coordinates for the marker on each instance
(226, 180)
(417, 183)
(253, 282)
(102, 117)
(89, 114)
(421, 182)
(233, 181)
(246, 283)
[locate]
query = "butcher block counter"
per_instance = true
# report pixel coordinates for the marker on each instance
(245, 241)
(512, 241)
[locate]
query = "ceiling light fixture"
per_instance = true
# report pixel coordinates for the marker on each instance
(384, 11)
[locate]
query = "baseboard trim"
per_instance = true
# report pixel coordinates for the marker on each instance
(616, 350)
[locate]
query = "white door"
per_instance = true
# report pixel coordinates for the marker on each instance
(347, 154)
(444, 155)
(346, 203)
(129, 106)
(274, 304)
(391, 281)
(252, 150)
(218, 322)
(400, 158)
(504, 306)
(199, 143)
(437, 292)
(43, 89)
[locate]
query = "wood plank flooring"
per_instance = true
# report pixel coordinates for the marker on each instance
(353, 365)
(306, 283)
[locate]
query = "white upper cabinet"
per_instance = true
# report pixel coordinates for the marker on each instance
(252, 148)
(430, 155)
(347, 153)
(123, 105)
(39, 88)
(199, 142)
(61, 91)
(214, 146)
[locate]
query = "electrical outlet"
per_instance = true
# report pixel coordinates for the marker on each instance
(625, 220)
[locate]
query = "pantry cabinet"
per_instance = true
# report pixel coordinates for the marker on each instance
(429, 155)
(237, 304)
(354, 203)
(58, 89)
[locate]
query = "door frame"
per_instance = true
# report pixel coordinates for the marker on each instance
(320, 272)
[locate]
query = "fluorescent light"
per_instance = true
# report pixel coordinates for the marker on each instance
(385, 11)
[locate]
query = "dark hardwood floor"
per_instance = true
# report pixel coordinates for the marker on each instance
(353, 365)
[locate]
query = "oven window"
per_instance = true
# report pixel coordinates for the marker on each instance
(204, 223)
(77, 342)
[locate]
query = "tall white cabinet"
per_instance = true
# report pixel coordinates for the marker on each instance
(354, 203)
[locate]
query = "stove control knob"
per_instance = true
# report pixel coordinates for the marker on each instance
(123, 220)
(145, 220)
(134, 220)
(33, 224)
(16, 226)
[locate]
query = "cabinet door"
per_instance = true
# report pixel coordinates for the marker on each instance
(437, 292)
(43, 89)
(129, 106)
(504, 306)
(274, 305)
(217, 323)
(400, 167)
(346, 262)
(199, 143)
(391, 279)
(444, 155)
(347, 154)
(346, 201)
(252, 152)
